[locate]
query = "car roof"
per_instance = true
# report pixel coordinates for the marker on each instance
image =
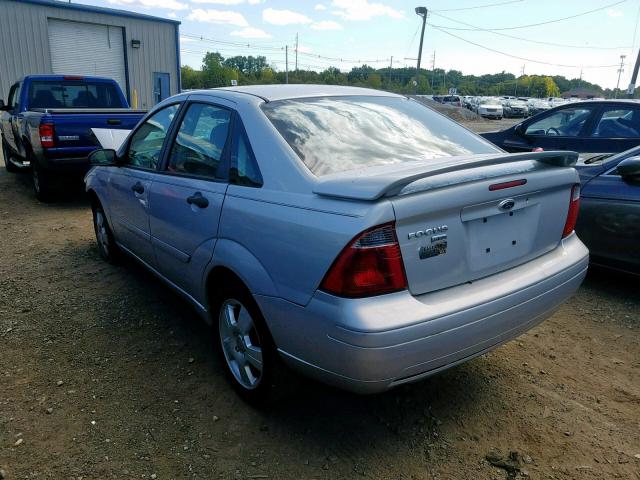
(289, 91)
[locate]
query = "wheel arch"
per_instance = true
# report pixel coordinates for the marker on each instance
(233, 262)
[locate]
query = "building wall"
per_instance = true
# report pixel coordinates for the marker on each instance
(24, 45)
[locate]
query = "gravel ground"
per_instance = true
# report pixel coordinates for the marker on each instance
(105, 373)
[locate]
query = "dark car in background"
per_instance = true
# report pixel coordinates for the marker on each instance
(607, 126)
(609, 219)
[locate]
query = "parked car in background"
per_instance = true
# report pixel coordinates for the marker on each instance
(607, 126)
(513, 107)
(489, 107)
(452, 100)
(537, 105)
(47, 124)
(361, 237)
(609, 219)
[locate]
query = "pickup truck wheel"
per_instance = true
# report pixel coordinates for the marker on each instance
(107, 247)
(10, 167)
(249, 355)
(41, 183)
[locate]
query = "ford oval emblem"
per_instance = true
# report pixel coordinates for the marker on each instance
(507, 204)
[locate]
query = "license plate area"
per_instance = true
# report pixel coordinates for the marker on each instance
(497, 237)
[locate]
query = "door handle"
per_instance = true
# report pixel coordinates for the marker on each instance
(138, 188)
(198, 200)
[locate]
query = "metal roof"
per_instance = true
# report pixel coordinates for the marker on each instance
(289, 91)
(94, 9)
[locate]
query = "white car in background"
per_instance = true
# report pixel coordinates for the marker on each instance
(489, 107)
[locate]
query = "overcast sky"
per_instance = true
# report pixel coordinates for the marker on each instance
(373, 31)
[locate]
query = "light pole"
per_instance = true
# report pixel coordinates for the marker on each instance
(421, 12)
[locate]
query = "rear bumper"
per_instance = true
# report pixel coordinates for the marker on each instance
(371, 345)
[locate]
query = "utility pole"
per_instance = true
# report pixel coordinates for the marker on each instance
(620, 70)
(515, 94)
(296, 52)
(433, 69)
(286, 64)
(421, 12)
(634, 77)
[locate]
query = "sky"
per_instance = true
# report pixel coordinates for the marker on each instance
(473, 36)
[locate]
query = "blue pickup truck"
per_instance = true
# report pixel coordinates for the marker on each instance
(49, 123)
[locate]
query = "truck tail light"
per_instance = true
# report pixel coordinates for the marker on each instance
(46, 135)
(572, 215)
(371, 264)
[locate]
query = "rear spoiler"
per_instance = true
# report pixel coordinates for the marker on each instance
(389, 181)
(87, 110)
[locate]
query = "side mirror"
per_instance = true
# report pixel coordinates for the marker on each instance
(630, 168)
(104, 157)
(519, 129)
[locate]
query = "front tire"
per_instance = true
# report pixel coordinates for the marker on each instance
(107, 247)
(6, 154)
(247, 350)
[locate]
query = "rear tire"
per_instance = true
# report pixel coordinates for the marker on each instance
(42, 185)
(107, 246)
(245, 345)
(6, 154)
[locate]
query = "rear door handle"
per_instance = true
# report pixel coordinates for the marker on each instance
(198, 200)
(138, 188)
(114, 121)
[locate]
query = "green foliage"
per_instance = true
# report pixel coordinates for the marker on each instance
(248, 70)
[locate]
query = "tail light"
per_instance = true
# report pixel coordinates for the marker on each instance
(46, 135)
(572, 215)
(371, 264)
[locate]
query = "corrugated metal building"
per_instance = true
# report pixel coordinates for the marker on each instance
(141, 52)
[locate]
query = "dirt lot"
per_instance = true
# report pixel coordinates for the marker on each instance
(105, 373)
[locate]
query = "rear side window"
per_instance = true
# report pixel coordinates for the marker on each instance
(73, 94)
(618, 122)
(198, 147)
(335, 134)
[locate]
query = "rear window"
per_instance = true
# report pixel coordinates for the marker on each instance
(335, 134)
(73, 94)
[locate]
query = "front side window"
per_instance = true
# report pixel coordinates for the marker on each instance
(14, 96)
(146, 142)
(567, 122)
(335, 134)
(616, 122)
(200, 142)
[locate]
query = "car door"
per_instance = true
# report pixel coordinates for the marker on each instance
(609, 220)
(561, 129)
(129, 186)
(616, 128)
(186, 196)
(8, 125)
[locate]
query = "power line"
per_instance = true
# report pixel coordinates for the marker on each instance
(520, 38)
(539, 23)
(518, 57)
(477, 6)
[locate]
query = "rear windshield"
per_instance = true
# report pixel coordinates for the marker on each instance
(335, 134)
(73, 94)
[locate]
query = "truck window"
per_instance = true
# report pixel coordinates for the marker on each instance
(73, 94)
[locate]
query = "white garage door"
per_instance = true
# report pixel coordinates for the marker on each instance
(87, 49)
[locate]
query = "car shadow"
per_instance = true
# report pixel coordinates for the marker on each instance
(70, 195)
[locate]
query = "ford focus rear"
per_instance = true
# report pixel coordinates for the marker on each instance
(357, 235)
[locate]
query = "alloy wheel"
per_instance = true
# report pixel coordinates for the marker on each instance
(241, 344)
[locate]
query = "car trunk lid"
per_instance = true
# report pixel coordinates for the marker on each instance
(458, 222)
